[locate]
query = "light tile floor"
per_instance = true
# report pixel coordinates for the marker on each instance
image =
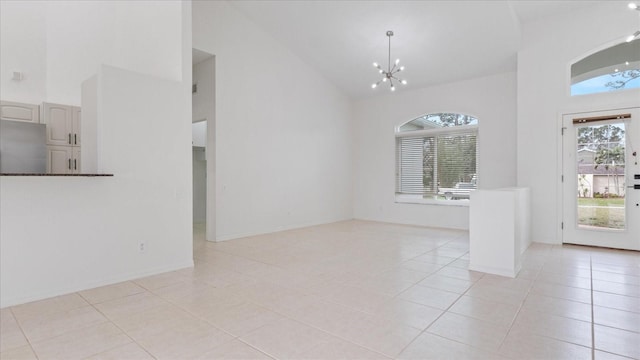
(348, 290)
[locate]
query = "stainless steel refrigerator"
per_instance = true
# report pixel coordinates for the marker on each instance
(23, 148)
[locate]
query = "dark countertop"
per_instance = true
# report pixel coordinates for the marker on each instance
(40, 174)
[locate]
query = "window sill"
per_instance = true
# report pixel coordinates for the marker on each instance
(404, 199)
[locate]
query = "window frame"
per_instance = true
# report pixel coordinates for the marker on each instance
(436, 132)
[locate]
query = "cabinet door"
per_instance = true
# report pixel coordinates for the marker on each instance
(59, 120)
(75, 162)
(59, 159)
(15, 111)
(76, 113)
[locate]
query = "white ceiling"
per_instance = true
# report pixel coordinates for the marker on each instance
(437, 41)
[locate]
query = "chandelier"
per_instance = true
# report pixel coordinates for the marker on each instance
(390, 74)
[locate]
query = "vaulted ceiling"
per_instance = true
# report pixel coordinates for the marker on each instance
(437, 41)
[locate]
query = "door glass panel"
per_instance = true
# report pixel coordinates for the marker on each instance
(601, 188)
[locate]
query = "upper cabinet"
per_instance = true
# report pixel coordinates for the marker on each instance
(16, 111)
(63, 124)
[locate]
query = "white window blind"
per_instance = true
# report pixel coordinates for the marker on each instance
(432, 165)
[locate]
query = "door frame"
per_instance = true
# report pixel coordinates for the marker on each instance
(582, 108)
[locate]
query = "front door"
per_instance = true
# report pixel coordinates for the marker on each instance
(601, 207)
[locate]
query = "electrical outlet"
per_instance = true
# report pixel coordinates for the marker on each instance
(142, 247)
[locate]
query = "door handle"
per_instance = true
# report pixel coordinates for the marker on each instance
(75, 164)
(75, 139)
(69, 138)
(69, 164)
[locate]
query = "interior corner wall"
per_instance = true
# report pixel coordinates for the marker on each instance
(64, 234)
(282, 132)
(492, 99)
(549, 46)
(59, 44)
(23, 48)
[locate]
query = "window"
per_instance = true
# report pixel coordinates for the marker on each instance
(611, 69)
(436, 158)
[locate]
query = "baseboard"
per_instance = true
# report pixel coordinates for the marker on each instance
(277, 229)
(12, 301)
(512, 273)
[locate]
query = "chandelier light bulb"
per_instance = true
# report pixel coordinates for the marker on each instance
(384, 79)
(393, 88)
(397, 61)
(373, 86)
(404, 82)
(375, 64)
(633, 6)
(401, 68)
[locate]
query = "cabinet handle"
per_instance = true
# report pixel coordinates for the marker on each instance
(69, 138)
(69, 164)
(75, 164)
(75, 139)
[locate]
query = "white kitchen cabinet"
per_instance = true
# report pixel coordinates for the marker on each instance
(15, 111)
(58, 159)
(63, 159)
(63, 138)
(63, 124)
(75, 157)
(75, 124)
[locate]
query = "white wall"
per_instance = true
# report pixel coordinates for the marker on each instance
(491, 99)
(59, 44)
(282, 132)
(549, 47)
(89, 131)
(199, 185)
(203, 166)
(203, 100)
(62, 234)
(23, 47)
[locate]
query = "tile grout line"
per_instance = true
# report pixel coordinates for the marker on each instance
(285, 316)
(520, 305)
(438, 318)
(33, 350)
(118, 327)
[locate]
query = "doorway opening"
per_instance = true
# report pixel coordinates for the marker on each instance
(203, 149)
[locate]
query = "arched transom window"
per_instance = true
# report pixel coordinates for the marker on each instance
(614, 68)
(436, 158)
